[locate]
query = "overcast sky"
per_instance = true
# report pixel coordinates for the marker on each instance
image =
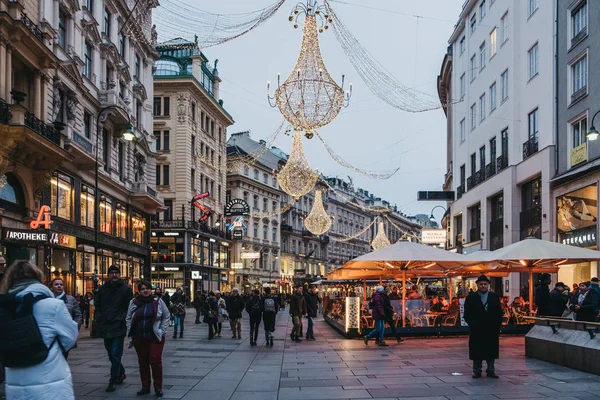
(370, 134)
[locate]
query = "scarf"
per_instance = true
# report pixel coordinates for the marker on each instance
(484, 299)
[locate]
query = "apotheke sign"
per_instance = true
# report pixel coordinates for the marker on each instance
(18, 235)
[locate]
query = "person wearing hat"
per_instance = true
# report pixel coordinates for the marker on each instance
(483, 314)
(584, 303)
(558, 300)
(542, 295)
(111, 305)
(378, 311)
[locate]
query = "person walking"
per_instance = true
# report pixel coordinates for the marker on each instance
(111, 304)
(147, 323)
(198, 305)
(312, 306)
(84, 304)
(542, 295)
(253, 310)
(51, 378)
(378, 314)
(178, 301)
(584, 303)
(221, 312)
(211, 308)
(388, 312)
(269, 307)
(235, 308)
(297, 311)
(483, 314)
(167, 299)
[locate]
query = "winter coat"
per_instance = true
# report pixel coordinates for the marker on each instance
(161, 318)
(542, 299)
(388, 310)
(111, 304)
(484, 338)
(250, 307)
(558, 303)
(50, 379)
(178, 304)
(198, 301)
(72, 306)
(312, 304)
(235, 306)
(587, 312)
(211, 309)
(297, 305)
(378, 310)
(167, 299)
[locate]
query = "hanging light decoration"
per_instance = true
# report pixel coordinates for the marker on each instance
(309, 98)
(318, 222)
(3, 181)
(297, 177)
(381, 240)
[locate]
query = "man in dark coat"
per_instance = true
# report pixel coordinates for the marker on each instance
(111, 305)
(542, 295)
(483, 314)
(253, 310)
(235, 306)
(388, 310)
(297, 311)
(558, 300)
(198, 305)
(378, 316)
(312, 305)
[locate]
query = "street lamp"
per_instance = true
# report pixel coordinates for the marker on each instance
(127, 135)
(431, 217)
(593, 132)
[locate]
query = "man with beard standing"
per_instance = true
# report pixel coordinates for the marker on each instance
(297, 311)
(483, 314)
(111, 305)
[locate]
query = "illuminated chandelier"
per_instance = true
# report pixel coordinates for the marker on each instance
(297, 177)
(381, 240)
(318, 222)
(309, 98)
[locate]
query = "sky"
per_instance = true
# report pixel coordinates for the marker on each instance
(408, 37)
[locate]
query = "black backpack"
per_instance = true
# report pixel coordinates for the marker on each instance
(21, 342)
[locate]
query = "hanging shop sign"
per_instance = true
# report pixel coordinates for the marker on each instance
(196, 275)
(43, 219)
(204, 210)
(237, 265)
(27, 236)
(63, 240)
(433, 236)
(238, 234)
(246, 256)
(237, 207)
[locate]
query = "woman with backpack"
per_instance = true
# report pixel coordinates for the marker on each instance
(36, 368)
(178, 301)
(269, 308)
(211, 309)
(253, 309)
(148, 322)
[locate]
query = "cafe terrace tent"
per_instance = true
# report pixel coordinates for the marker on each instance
(534, 255)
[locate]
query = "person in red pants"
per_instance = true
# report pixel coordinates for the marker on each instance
(147, 322)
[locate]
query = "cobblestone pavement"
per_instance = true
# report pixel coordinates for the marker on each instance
(329, 368)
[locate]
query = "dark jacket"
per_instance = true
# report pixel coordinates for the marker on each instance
(167, 299)
(388, 310)
(542, 299)
(178, 302)
(377, 307)
(110, 309)
(587, 312)
(558, 303)
(484, 338)
(312, 304)
(198, 301)
(297, 305)
(235, 306)
(211, 308)
(251, 310)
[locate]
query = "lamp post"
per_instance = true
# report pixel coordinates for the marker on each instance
(593, 134)
(431, 217)
(127, 135)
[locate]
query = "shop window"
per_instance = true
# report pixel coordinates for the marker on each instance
(106, 217)
(121, 221)
(62, 196)
(138, 228)
(577, 216)
(87, 207)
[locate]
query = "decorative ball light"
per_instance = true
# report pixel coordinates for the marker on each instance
(381, 240)
(318, 222)
(297, 177)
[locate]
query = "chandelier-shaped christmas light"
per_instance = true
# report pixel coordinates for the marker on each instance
(309, 98)
(297, 177)
(381, 240)
(318, 222)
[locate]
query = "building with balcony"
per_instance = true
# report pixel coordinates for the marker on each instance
(251, 182)
(495, 88)
(59, 70)
(190, 245)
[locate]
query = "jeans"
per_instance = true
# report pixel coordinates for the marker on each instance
(309, 330)
(478, 366)
(149, 353)
(86, 318)
(212, 327)
(114, 348)
(198, 313)
(178, 321)
(236, 326)
(254, 324)
(379, 329)
(392, 324)
(296, 329)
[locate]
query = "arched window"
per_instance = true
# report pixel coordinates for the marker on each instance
(167, 67)
(11, 190)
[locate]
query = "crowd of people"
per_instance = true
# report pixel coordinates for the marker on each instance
(580, 304)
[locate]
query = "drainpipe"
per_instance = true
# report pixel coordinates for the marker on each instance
(556, 81)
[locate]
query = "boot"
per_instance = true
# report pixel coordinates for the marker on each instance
(382, 343)
(180, 335)
(175, 335)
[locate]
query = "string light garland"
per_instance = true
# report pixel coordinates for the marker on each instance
(344, 239)
(345, 164)
(235, 163)
(405, 233)
(309, 98)
(347, 200)
(381, 240)
(282, 209)
(318, 222)
(297, 177)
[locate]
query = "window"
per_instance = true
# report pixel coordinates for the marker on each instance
(87, 55)
(463, 130)
(121, 221)
(62, 29)
(473, 164)
(505, 143)
(255, 201)
(166, 141)
(87, 207)
(61, 194)
(89, 4)
(462, 176)
(166, 175)
(482, 10)
(482, 107)
(121, 44)
(533, 61)
(579, 131)
(121, 159)
(255, 230)
(504, 80)
(473, 23)
(246, 197)
(482, 56)
(246, 171)
(193, 179)
(579, 17)
(193, 146)
(194, 111)
(87, 124)
(274, 237)
(265, 204)
(493, 150)
(473, 116)
(256, 174)
(531, 194)
(138, 67)
(492, 97)
(138, 227)
(167, 106)
(493, 42)
(504, 27)
(482, 157)
(473, 68)
(462, 86)
(265, 178)
(106, 215)
(532, 6)
(157, 106)
(462, 45)
(533, 124)
(107, 18)
(579, 74)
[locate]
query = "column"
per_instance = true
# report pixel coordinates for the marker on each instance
(8, 75)
(2, 68)
(37, 90)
